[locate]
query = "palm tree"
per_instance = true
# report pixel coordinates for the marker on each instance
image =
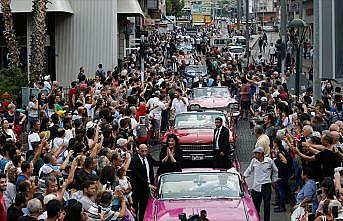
(9, 33)
(38, 40)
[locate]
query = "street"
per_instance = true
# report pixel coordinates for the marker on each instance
(245, 145)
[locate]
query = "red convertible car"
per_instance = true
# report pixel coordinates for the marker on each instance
(221, 193)
(214, 98)
(195, 131)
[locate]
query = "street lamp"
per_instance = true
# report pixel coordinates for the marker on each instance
(300, 28)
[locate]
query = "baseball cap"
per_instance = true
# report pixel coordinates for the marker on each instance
(258, 150)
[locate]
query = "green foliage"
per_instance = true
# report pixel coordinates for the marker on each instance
(174, 7)
(11, 81)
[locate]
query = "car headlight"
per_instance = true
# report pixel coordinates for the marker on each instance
(194, 107)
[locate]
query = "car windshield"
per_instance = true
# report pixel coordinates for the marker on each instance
(197, 120)
(241, 41)
(236, 50)
(211, 92)
(199, 185)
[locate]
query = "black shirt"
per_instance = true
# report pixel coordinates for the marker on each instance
(13, 213)
(328, 161)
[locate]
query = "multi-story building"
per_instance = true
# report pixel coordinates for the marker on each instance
(80, 33)
(265, 10)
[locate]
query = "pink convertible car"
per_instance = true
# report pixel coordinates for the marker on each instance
(218, 193)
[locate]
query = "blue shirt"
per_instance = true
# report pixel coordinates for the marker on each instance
(20, 179)
(309, 190)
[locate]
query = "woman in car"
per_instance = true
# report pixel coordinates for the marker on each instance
(170, 156)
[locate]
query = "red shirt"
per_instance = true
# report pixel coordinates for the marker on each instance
(72, 92)
(3, 214)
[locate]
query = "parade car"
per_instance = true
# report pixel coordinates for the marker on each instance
(195, 131)
(221, 194)
(214, 98)
(194, 71)
(237, 52)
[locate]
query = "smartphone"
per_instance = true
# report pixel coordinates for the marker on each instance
(36, 180)
(318, 185)
(335, 211)
(99, 209)
(309, 208)
(60, 181)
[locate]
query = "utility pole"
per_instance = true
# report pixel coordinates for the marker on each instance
(247, 35)
(316, 75)
(239, 13)
(283, 32)
(142, 52)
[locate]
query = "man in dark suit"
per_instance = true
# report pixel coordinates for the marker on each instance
(142, 179)
(218, 82)
(221, 145)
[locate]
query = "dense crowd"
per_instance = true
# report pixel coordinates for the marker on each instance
(87, 154)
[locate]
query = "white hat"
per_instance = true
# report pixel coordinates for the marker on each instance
(90, 124)
(121, 142)
(47, 77)
(264, 99)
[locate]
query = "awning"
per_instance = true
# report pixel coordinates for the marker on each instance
(129, 7)
(22, 6)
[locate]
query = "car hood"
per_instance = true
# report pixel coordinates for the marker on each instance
(217, 209)
(192, 136)
(213, 102)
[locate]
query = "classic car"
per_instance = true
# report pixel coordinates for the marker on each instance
(194, 71)
(195, 131)
(214, 98)
(221, 193)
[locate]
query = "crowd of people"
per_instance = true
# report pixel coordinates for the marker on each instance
(87, 154)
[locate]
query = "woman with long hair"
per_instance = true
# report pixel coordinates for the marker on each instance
(170, 156)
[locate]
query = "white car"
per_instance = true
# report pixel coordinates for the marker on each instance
(237, 52)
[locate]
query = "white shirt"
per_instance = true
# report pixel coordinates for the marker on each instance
(179, 105)
(32, 113)
(263, 172)
(156, 112)
(216, 137)
(146, 167)
(134, 125)
(90, 110)
(58, 142)
(33, 137)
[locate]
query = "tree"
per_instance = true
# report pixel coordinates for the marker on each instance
(38, 40)
(174, 7)
(9, 33)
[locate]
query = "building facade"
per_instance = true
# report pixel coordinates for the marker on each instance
(80, 33)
